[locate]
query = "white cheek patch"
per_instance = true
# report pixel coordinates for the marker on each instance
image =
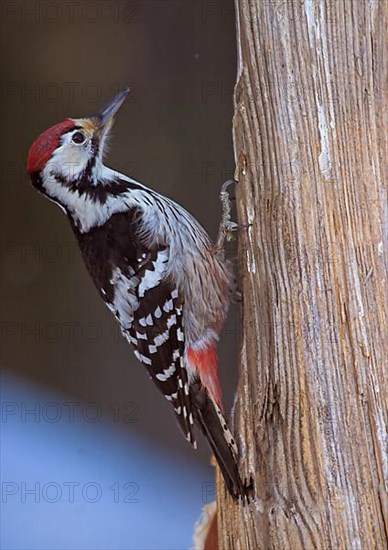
(70, 160)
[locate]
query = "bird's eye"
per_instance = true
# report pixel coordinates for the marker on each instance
(78, 137)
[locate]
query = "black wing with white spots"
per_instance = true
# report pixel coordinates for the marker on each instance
(132, 281)
(157, 334)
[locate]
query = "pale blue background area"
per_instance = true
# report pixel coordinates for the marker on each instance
(35, 451)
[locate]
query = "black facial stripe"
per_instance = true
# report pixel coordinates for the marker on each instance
(87, 173)
(99, 192)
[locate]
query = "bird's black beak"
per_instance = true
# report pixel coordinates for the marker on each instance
(105, 115)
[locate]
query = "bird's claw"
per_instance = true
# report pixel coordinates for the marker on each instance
(246, 492)
(227, 226)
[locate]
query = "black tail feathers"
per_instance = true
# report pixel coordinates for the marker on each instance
(214, 427)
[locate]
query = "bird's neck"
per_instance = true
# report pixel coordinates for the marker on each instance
(89, 198)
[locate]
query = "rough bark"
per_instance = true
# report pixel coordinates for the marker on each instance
(310, 135)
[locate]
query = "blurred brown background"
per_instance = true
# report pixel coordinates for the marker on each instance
(63, 59)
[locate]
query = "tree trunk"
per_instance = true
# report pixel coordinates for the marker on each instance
(310, 134)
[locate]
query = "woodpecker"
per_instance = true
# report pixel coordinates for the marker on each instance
(154, 266)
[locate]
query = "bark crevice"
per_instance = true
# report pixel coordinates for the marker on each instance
(310, 137)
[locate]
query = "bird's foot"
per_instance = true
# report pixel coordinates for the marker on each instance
(227, 227)
(249, 491)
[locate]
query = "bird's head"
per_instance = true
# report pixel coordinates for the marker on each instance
(68, 156)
